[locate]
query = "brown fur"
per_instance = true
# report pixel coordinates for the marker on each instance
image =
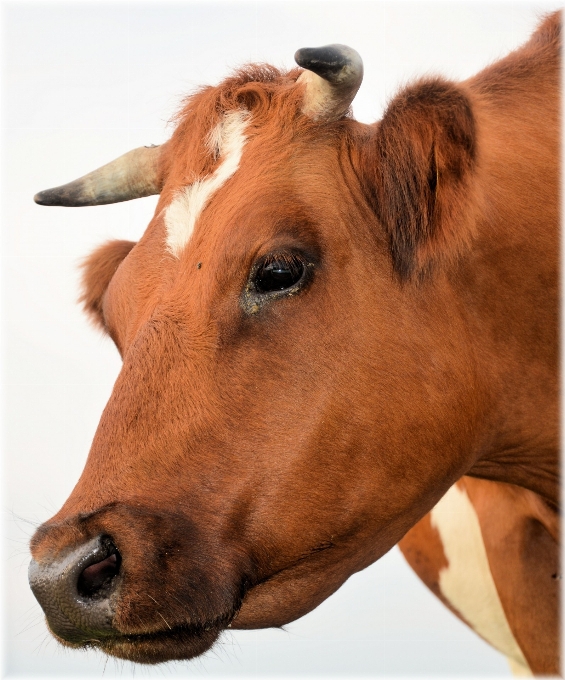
(300, 437)
(98, 269)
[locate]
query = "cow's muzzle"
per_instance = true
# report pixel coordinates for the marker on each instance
(138, 584)
(78, 591)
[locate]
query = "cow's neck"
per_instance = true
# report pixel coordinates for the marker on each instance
(509, 286)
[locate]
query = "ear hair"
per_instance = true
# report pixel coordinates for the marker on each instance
(418, 165)
(97, 272)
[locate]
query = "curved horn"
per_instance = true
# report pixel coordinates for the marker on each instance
(133, 175)
(333, 76)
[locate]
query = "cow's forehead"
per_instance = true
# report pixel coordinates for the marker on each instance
(209, 148)
(224, 143)
(264, 94)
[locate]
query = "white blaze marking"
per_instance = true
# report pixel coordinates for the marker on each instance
(226, 142)
(467, 581)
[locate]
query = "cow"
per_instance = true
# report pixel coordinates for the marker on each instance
(335, 337)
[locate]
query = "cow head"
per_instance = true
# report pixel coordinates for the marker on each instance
(297, 386)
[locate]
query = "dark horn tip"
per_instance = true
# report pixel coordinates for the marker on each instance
(68, 196)
(45, 198)
(326, 61)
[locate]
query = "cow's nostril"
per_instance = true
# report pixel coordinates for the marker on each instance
(95, 580)
(79, 589)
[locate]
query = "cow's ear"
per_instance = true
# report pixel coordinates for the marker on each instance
(97, 272)
(419, 168)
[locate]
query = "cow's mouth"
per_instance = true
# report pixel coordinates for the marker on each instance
(167, 645)
(178, 642)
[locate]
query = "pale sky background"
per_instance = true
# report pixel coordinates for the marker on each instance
(83, 83)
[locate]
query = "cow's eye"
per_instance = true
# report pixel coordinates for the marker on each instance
(279, 273)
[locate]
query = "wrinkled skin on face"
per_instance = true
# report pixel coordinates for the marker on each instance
(258, 449)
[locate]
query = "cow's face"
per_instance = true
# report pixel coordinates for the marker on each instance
(290, 402)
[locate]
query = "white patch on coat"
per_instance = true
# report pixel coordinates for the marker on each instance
(467, 581)
(225, 141)
(518, 670)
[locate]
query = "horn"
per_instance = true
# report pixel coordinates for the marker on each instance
(133, 175)
(332, 77)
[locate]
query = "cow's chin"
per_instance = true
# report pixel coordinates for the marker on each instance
(297, 590)
(180, 643)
